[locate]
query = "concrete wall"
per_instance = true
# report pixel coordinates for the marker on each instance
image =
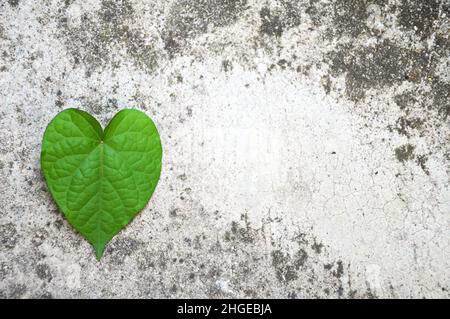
(306, 146)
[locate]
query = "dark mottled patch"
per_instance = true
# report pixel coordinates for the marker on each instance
(278, 258)
(68, 2)
(173, 289)
(189, 111)
(39, 237)
(13, 3)
(59, 103)
(405, 100)
(244, 234)
(369, 294)
(274, 22)
(287, 274)
(376, 67)
(5, 270)
(112, 104)
(317, 13)
(336, 269)
(441, 97)
(188, 19)
(317, 247)
(300, 258)
(115, 10)
(16, 291)
(292, 295)
(421, 160)
(419, 15)
(197, 242)
(121, 248)
(146, 261)
(387, 64)
(58, 223)
(173, 212)
(227, 65)
(96, 43)
(227, 236)
(8, 236)
(326, 84)
(271, 23)
(404, 153)
(349, 17)
(283, 64)
(284, 271)
(249, 293)
(339, 270)
(43, 272)
(292, 11)
(404, 125)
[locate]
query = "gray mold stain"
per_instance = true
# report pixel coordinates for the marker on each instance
(8, 236)
(405, 125)
(39, 237)
(96, 42)
(285, 271)
(13, 3)
(349, 17)
(43, 272)
(287, 267)
(386, 63)
(405, 100)
(376, 67)
(271, 23)
(188, 19)
(274, 22)
(317, 247)
(420, 16)
(5, 270)
(335, 268)
(244, 234)
(421, 160)
(121, 248)
(440, 92)
(404, 153)
(14, 291)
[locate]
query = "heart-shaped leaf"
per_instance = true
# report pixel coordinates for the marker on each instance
(101, 179)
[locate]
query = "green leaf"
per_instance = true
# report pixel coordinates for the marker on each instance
(101, 179)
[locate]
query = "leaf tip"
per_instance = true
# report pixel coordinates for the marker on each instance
(99, 251)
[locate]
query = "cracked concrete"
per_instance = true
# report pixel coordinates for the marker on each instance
(306, 146)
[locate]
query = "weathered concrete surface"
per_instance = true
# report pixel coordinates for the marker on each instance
(306, 146)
